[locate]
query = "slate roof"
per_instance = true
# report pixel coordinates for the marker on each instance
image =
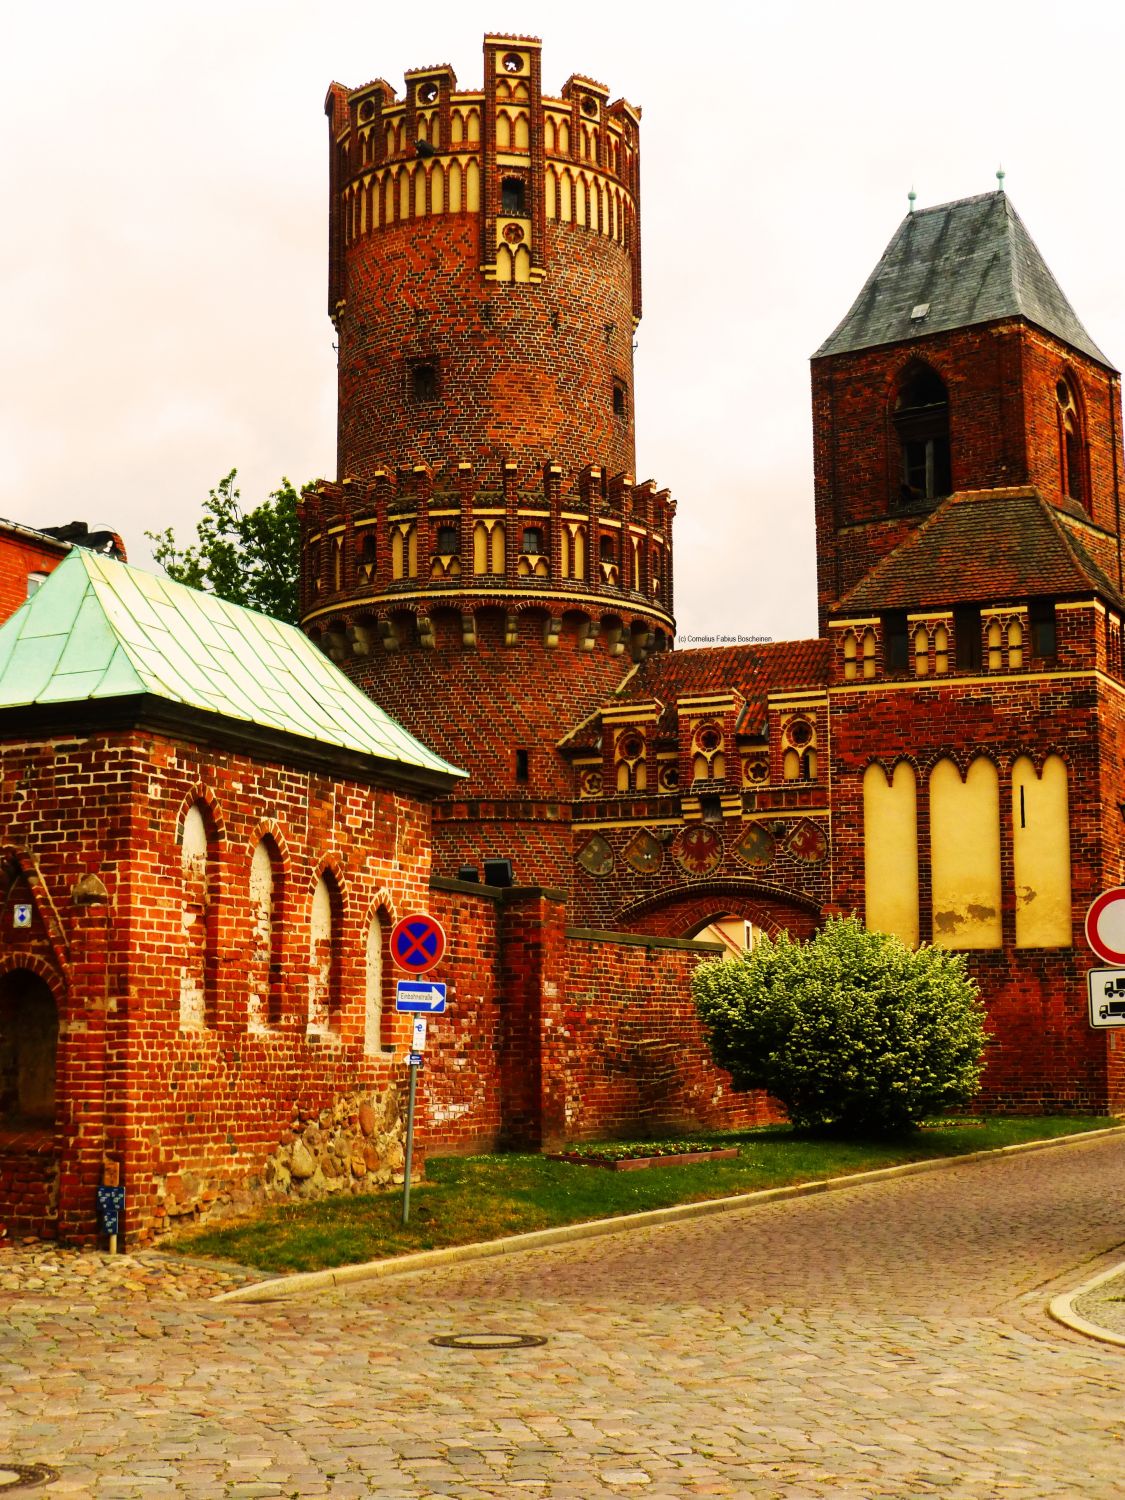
(98, 629)
(984, 546)
(751, 670)
(973, 262)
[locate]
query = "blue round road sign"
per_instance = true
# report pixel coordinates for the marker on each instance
(417, 942)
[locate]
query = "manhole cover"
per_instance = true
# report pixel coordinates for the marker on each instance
(489, 1340)
(23, 1476)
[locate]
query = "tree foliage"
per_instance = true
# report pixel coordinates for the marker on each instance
(250, 557)
(851, 1028)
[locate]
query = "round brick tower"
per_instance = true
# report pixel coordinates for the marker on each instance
(486, 565)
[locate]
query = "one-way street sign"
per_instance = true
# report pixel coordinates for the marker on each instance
(423, 995)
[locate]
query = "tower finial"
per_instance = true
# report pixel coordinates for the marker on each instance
(911, 197)
(1000, 175)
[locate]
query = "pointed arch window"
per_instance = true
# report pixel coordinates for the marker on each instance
(921, 420)
(198, 920)
(325, 917)
(375, 1016)
(1072, 446)
(264, 996)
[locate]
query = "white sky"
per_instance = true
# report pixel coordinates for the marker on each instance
(163, 256)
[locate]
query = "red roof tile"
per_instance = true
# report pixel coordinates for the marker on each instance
(984, 546)
(752, 671)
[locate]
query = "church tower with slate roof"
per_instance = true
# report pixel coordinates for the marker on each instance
(961, 367)
(967, 468)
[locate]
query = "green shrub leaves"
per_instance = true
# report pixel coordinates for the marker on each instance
(851, 1028)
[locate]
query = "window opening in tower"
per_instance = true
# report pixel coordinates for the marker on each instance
(513, 196)
(423, 382)
(921, 419)
(1070, 444)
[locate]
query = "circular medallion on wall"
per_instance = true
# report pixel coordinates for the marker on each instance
(513, 233)
(596, 857)
(698, 849)
(755, 847)
(756, 770)
(809, 842)
(643, 853)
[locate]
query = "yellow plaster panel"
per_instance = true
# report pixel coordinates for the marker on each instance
(965, 855)
(1041, 854)
(890, 852)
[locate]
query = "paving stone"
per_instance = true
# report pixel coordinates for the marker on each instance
(886, 1341)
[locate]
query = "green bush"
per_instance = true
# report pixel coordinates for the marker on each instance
(851, 1028)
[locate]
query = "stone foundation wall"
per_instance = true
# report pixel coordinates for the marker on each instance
(356, 1145)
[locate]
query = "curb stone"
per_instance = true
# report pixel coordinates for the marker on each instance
(1061, 1308)
(279, 1288)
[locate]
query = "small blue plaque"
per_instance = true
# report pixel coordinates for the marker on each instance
(111, 1205)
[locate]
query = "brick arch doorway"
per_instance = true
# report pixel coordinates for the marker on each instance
(29, 1152)
(738, 934)
(685, 911)
(29, 1041)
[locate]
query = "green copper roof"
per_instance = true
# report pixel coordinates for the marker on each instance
(98, 629)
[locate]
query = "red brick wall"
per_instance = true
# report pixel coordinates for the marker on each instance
(29, 1184)
(19, 556)
(1044, 1055)
(477, 705)
(459, 1103)
(674, 901)
(586, 1035)
(208, 1105)
(525, 372)
(624, 1053)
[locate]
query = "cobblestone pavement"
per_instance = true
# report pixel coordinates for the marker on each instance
(885, 1342)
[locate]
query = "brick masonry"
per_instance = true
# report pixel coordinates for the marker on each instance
(535, 709)
(192, 1115)
(640, 793)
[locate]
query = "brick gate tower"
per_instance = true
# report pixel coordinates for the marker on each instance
(486, 565)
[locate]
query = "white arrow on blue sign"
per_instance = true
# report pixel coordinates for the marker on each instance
(420, 995)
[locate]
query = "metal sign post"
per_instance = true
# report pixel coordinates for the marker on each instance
(414, 1058)
(417, 945)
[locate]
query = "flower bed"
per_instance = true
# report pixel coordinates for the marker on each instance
(634, 1158)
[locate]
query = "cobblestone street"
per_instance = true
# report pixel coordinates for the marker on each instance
(888, 1340)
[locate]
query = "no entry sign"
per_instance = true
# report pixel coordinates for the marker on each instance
(1105, 926)
(417, 942)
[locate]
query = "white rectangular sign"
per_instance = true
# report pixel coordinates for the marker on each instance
(1106, 989)
(419, 1043)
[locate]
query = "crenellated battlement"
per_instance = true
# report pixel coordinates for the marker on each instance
(464, 538)
(504, 153)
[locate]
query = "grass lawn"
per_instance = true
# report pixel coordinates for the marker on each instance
(470, 1198)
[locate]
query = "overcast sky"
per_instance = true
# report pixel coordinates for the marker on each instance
(164, 183)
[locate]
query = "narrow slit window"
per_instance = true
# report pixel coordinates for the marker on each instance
(967, 633)
(1044, 635)
(513, 196)
(424, 381)
(896, 646)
